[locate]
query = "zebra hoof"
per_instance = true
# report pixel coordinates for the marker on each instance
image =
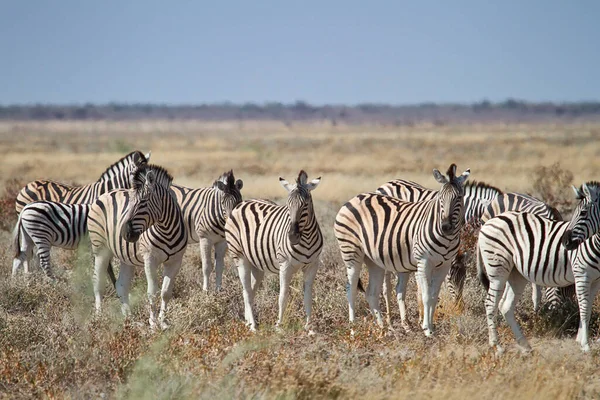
(428, 332)
(406, 328)
(585, 348)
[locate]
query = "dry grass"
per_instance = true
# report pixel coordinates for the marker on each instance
(52, 346)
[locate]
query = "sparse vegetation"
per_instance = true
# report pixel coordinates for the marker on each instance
(52, 345)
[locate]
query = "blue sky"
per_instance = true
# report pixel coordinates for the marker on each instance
(74, 51)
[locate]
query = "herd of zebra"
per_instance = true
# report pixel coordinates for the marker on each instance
(135, 213)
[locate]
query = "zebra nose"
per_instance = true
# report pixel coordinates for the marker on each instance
(128, 232)
(446, 226)
(568, 242)
(294, 234)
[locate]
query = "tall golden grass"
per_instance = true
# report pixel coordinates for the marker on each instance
(51, 345)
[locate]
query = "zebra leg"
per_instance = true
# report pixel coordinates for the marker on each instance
(536, 296)
(101, 260)
(374, 287)
(171, 269)
(586, 292)
(122, 285)
(438, 275)
(286, 271)
(553, 297)
(220, 249)
(514, 290)
(456, 281)
(150, 268)
(310, 271)
(257, 276)
(403, 278)
(244, 270)
(205, 253)
(387, 296)
(495, 291)
(353, 268)
(44, 257)
(423, 276)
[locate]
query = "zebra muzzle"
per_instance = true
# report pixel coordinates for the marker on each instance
(128, 233)
(294, 234)
(447, 227)
(568, 242)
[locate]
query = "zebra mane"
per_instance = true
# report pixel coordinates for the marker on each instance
(161, 176)
(474, 185)
(135, 157)
(228, 179)
(451, 172)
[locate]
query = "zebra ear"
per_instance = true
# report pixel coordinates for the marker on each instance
(147, 155)
(312, 185)
(286, 185)
(439, 177)
(239, 184)
(150, 178)
(461, 179)
(578, 194)
(590, 194)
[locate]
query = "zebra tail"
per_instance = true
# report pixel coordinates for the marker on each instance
(17, 238)
(483, 278)
(360, 286)
(111, 275)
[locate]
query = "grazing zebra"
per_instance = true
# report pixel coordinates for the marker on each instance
(525, 203)
(205, 211)
(265, 237)
(389, 234)
(515, 248)
(478, 196)
(116, 176)
(142, 227)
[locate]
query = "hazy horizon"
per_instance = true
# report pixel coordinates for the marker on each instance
(335, 53)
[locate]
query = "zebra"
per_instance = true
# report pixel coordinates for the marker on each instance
(118, 175)
(265, 237)
(514, 248)
(478, 195)
(205, 211)
(482, 202)
(525, 203)
(44, 224)
(389, 234)
(142, 227)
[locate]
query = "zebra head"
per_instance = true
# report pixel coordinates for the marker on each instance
(299, 203)
(585, 221)
(229, 189)
(450, 198)
(151, 185)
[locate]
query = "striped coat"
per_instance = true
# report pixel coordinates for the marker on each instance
(116, 176)
(388, 234)
(265, 237)
(142, 227)
(205, 212)
(515, 248)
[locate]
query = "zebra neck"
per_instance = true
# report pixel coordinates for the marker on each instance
(218, 207)
(311, 221)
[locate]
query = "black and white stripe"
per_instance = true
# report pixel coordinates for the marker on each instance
(116, 176)
(478, 196)
(515, 248)
(525, 203)
(205, 212)
(265, 237)
(389, 234)
(142, 227)
(45, 224)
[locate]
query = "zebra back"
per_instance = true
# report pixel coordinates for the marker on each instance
(118, 175)
(478, 195)
(521, 203)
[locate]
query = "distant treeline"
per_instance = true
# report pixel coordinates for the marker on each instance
(508, 111)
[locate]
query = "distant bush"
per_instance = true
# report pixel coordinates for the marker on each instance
(552, 185)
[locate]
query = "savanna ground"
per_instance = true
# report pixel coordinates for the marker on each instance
(51, 345)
